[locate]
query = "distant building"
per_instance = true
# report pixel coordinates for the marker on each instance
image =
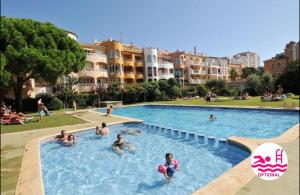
(277, 65)
(248, 59)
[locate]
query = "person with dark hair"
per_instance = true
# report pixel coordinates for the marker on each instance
(104, 131)
(109, 110)
(119, 145)
(63, 136)
(171, 165)
(70, 140)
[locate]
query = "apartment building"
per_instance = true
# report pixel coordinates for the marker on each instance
(216, 67)
(95, 71)
(181, 73)
(125, 62)
(165, 66)
(277, 64)
(237, 67)
(248, 59)
(197, 71)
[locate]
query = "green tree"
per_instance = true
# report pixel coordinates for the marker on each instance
(201, 90)
(37, 50)
(5, 76)
(233, 74)
(152, 91)
(173, 92)
(248, 71)
(66, 90)
(289, 80)
(267, 82)
(253, 84)
(114, 91)
(216, 86)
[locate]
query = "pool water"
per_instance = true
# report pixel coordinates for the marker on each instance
(252, 123)
(91, 167)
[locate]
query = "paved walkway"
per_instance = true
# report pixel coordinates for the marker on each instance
(287, 184)
(13, 144)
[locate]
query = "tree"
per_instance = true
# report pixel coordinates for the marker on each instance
(101, 92)
(248, 71)
(253, 84)
(201, 90)
(289, 80)
(37, 50)
(114, 91)
(267, 82)
(233, 74)
(5, 76)
(216, 85)
(66, 90)
(173, 92)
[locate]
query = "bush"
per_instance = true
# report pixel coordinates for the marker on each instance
(201, 90)
(83, 100)
(55, 104)
(253, 84)
(234, 92)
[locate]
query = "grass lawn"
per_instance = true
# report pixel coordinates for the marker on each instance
(254, 101)
(55, 120)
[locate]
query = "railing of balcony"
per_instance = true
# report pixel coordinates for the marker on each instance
(94, 69)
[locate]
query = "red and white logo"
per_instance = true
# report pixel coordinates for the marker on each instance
(269, 161)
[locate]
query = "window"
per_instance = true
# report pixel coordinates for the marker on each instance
(272, 66)
(149, 71)
(149, 58)
(154, 58)
(117, 54)
(278, 65)
(171, 71)
(155, 71)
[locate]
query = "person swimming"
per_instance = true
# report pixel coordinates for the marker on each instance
(62, 137)
(212, 117)
(109, 110)
(171, 166)
(131, 131)
(119, 145)
(70, 141)
(104, 131)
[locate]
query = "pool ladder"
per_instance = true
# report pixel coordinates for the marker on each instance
(200, 138)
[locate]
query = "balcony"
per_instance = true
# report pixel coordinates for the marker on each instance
(128, 75)
(196, 63)
(166, 76)
(86, 87)
(93, 72)
(198, 72)
(139, 63)
(128, 62)
(95, 57)
(139, 76)
(166, 65)
(197, 81)
(179, 66)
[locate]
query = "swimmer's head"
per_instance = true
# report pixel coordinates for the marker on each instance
(169, 157)
(119, 136)
(103, 125)
(71, 137)
(97, 128)
(63, 132)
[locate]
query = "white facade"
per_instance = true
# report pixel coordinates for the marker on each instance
(216, 67)
(72, 35)
(151, 64)
(249, 59)
(165, 70)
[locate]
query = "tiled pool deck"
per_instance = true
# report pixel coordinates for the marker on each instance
(231, 182)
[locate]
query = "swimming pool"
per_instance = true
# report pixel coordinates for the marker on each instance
(252, 123)
(91, 167)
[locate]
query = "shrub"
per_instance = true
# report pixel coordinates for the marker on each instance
(55, 104)
(201, 90)
(253, 84)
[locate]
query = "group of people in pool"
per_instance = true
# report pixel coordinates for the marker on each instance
(67, 139)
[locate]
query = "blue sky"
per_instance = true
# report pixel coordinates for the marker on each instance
(215, 27)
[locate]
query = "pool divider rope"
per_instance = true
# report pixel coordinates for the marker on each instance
(200, 138)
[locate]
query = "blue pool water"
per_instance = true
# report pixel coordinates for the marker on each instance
(91, 167)
(239, 122)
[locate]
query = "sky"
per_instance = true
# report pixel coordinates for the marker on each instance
(216, 27)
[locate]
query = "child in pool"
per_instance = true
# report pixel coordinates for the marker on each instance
(171, 167)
